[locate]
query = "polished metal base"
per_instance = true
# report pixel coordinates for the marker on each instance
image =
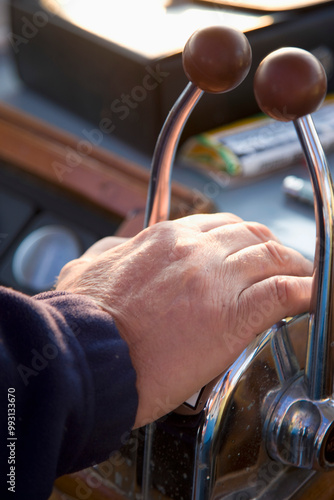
(224, 451)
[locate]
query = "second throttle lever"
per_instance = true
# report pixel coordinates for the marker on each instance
(290, 84)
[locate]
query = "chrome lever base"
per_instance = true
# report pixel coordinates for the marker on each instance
(300, 431)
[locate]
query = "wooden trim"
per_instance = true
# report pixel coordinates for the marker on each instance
(88, 171)
(85, 484)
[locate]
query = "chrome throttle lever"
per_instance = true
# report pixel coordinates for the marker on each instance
(216, 60)
(290, 84)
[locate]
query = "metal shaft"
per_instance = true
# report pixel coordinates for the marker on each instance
(319, 358)
(158, 200)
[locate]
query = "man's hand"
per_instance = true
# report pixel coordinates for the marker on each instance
(188, 296)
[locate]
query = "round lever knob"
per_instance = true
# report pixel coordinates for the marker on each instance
(217, 59)
(290, 83)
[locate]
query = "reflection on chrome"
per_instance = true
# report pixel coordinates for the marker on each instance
(224, 451)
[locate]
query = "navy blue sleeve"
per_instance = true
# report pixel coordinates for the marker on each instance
(68, 389)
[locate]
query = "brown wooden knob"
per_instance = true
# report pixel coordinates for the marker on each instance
(217, 59)
(290, 83)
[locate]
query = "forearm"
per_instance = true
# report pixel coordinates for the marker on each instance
(74, 386)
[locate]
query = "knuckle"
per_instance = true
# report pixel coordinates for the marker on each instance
(232, 218)
(68, 268)
(158, 236)
(183, 248)
(261, 231)
(281, 290)
(69, 271)
(157, 230)
(276, 252)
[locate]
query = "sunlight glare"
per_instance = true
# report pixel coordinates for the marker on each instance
(148, 27)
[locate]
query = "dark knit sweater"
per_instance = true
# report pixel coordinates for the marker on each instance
(73, 383)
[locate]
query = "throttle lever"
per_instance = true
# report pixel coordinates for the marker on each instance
(215, 59)
(289, 84)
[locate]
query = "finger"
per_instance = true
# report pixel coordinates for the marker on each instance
(73, 267)
(206, 222)
(103, 245)
(238, 236)
(259, 262)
